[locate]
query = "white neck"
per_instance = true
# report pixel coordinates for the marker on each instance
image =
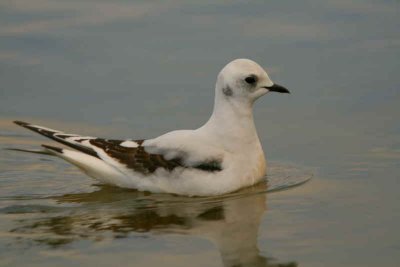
(232, 120)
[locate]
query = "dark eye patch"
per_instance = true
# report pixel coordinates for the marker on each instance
(252, 79)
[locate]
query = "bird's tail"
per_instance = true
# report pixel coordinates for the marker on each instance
(61, 137)
(35, 151)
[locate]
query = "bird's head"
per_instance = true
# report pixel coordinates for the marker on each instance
(244, 80)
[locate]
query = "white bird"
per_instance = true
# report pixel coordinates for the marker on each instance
(221, 156)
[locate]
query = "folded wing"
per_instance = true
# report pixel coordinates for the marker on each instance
(130, 153)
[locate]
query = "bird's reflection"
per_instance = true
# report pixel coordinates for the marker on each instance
(231, 222)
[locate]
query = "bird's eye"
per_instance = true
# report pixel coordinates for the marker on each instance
(251, 79)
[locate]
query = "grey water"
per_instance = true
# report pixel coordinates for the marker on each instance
(137, 69)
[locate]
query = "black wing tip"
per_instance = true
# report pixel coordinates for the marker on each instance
(53, 148)
(21, 123)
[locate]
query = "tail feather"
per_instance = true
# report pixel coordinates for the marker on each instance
(85, 158)
(35, 151)
(53, 148)
(94, 167)
(58, 136)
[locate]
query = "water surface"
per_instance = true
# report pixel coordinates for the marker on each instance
(53, 207)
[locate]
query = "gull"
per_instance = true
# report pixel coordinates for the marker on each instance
(222, 156)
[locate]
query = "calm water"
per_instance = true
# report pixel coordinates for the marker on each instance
(63, 216)
(139, 69)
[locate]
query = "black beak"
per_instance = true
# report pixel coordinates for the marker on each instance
(278, 88)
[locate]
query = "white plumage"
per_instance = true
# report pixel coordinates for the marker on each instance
(222, 156)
